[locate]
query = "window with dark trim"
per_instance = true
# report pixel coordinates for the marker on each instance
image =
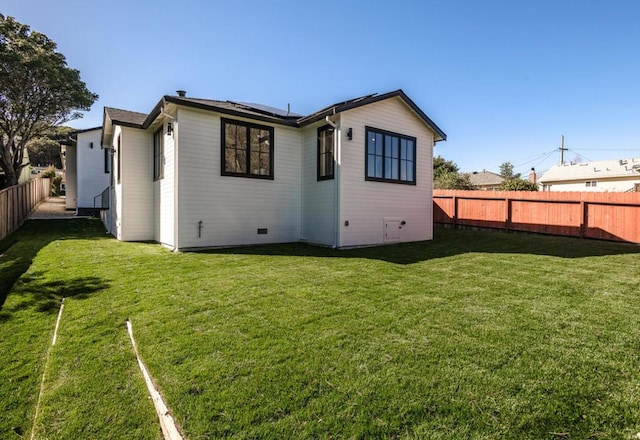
(390, 157)
(247, 150)
(119, 158)
(158, 154)
(107, 161)
(325, 153)
(591, 183)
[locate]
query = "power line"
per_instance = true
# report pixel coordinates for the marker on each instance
(607, 149)
(545, 155)
(579, 155)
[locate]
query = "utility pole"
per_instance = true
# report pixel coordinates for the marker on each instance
(562, 149)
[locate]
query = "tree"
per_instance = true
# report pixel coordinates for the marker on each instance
(517, 184)
(45, 150)
(506, 171)
(446, 175)
(37, 91)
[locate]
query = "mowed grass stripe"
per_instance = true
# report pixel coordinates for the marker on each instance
(92, 387)
(473, 335)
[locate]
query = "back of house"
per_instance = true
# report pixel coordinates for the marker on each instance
(198, 173)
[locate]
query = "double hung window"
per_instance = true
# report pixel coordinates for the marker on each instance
(158, 154)
(247, 149)
(325, 153)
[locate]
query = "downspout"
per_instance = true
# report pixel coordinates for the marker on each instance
(336, 182)
(176, 182)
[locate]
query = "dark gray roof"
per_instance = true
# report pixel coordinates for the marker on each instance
(370, 99)
(485, 178)
(268, 109)
(125, 117)
(252, 111)
(263, 112)
(84, 130)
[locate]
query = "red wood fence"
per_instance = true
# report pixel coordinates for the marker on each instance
(604, 216)
(17, 202)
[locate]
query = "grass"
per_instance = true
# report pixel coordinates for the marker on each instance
(472, 335)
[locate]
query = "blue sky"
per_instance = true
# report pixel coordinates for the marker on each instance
(503, 79)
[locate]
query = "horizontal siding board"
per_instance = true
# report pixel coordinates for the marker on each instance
(91, 178)
(233, 208)
(318, 196)
(163, 194)
(137, 185)
(365, 204)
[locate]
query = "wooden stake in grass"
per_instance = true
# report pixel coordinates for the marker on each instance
(44, 370)
(167, 424)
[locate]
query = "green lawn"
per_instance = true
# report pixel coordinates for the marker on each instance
(473, 335)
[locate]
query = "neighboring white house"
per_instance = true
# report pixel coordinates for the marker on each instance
(87, 170)
(609, 175)
(198, 173)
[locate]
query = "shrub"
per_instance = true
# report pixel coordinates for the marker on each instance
(56, 180)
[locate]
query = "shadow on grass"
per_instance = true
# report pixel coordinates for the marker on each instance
(452, 242)
(18, 250)
(34, 293)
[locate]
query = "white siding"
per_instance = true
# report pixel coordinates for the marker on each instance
(116, 201)
(163, 193)
(318, 215)
(71, 177)
(135, 193)
(231, 209)
(602, 185)
(365, 204)
(92, 179)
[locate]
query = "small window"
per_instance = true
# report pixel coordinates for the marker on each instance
(119, 153)
(247, 150)
(390, 157)
(325, 153)
(158, 154)
(107, 161)
(589, 183)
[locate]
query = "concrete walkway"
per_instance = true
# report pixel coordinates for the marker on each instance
(51, 209)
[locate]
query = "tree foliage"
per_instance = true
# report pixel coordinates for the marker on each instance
(517, 184)
(45, 150)
(446, 175)
(37, 91)
(506, 171)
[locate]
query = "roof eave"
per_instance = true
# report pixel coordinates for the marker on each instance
(210, 107)
(441, 135)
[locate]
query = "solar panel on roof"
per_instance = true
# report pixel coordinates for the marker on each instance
(268, 109)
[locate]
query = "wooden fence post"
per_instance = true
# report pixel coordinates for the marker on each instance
(507, 221)
(455, 212)
(585, 218)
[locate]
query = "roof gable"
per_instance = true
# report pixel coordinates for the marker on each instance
(485, 178)
(370, 99)
(125, 117)
(262, 112)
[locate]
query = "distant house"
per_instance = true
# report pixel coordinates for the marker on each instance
(198, 173)
(485, 180)
(87, 169)
(609, 175)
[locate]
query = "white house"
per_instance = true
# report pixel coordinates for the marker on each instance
(609, 175)
(199, 173)
(87, 171)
